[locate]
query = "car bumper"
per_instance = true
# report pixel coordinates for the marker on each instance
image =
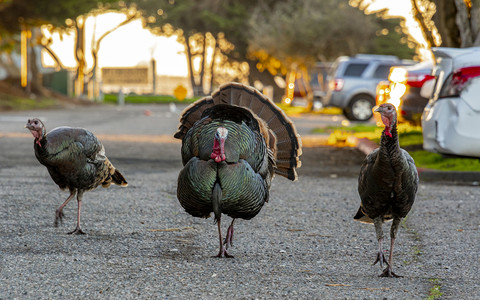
(447, 133)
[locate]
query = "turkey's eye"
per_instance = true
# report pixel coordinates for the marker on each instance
(36, 122)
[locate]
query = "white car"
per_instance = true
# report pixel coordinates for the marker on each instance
(451, 119)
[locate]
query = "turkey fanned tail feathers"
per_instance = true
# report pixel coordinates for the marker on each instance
(232, 144)
(278, 130)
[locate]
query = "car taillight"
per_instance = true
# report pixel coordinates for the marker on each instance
(417, 80)
(337, 84)
(455, 83)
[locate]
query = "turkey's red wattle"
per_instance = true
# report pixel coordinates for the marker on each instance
(37, 136)
(218, 152)
(388, 126)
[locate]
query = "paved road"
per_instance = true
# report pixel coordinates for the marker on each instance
(141, 244)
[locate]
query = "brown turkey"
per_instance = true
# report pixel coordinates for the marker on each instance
(387, 185)
(75, 159)
(232, 144)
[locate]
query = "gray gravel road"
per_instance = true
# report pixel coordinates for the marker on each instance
(140, 244)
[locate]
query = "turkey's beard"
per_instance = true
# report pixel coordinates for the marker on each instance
(218, 151)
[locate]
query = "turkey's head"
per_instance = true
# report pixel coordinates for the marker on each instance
(389, 117)
(218, 151)
(37, 129)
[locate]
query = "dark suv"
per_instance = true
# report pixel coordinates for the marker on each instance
(353, 81)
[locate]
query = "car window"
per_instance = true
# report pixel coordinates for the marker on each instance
(382, 72)
(355, 69)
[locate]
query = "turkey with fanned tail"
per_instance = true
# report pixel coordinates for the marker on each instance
(75, 159)
(232, 144)
(387, 185)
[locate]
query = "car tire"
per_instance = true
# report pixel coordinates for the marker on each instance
(360, 108)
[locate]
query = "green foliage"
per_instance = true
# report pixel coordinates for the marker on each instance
(9, 102)
(310, 31)
(31, 13)
(388, 40)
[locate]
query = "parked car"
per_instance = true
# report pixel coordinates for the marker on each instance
(353, 81)
(451, 118)
(403, 90)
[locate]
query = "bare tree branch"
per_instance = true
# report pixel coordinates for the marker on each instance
(417, 14)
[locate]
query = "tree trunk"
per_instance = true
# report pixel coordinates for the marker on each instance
(212, 77)
(36, 81)
(444, 19)
(190, 66)
(80, 56)
(203, 66)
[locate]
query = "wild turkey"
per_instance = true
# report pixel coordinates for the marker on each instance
(232, 144)
(387, 185)
(75, 159)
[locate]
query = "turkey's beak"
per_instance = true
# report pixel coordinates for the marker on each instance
(379, 109)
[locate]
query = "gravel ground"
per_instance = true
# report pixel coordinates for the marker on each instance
(303, 244)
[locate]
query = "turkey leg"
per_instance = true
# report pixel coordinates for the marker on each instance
(79, 201)
(223, 252)
(229, 238)
(378, 221)
(393, 233)
(59, 212)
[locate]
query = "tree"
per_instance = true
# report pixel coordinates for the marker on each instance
(208, 24)
(28, 15)
(446, 23)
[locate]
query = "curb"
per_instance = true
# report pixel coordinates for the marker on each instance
(428, 175)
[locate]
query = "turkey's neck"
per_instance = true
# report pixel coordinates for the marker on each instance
(389, 144)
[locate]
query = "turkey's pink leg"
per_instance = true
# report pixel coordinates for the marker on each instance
(378, 229)
(229, 238)
(393, 233)
(223, 252)
(59, 212)
(77, 229)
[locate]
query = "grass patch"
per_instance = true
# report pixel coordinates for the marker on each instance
(9, 102)
(411, 139)
(296, 110)
(142, 99)
(425, 159)
(435, 292)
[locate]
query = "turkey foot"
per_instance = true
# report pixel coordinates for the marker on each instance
(380, 258)
(223, 253)
(389, 273)
(59, 217)
(77, 231)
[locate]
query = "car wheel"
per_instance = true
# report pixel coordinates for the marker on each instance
(360, 108)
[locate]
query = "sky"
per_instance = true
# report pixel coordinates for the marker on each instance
(128, 46)
(132, 45)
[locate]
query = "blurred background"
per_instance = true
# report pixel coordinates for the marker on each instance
(90, 48)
